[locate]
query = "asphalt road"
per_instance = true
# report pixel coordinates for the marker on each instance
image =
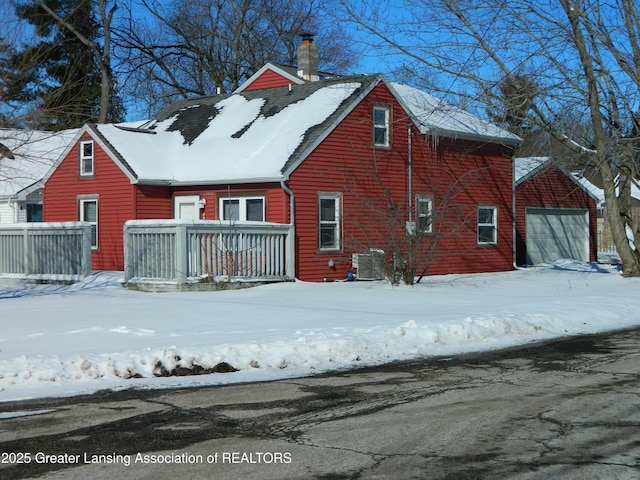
(562, 410)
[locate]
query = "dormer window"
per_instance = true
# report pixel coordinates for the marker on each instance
(86, 158)
(381, 122)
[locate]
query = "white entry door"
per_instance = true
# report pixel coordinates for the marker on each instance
(186, 207)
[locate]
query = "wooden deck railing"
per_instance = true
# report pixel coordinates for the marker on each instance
(58, 251)
(181, 251)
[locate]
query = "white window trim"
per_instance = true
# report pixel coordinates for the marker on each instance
(386, 126)
(242, 205)
(83, 158)
(493, 225)
(337, 198)
(81, 203)
(424, 199)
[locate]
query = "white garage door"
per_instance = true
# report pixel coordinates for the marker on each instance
(553, 234)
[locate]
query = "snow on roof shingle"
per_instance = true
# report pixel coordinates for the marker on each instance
(249, 136)
(28, 155)
(525, 167)
(262, 135)
(437, 117)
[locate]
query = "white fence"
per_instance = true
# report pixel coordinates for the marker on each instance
(47, 251)
(181, 251)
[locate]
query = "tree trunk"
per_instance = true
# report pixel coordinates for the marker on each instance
(629, 257)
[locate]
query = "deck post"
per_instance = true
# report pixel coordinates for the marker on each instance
(182, 254)
(290, 255)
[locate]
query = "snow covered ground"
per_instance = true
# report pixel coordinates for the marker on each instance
(64, 340)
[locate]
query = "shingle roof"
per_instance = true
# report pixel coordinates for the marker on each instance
(263, 135)
(28, 155)
(245, 136)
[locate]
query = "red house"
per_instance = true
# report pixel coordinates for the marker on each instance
(556, 216)
(355, 163)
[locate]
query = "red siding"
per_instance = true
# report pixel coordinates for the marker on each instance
(269, 79)
(153, 202)
(276, 200)
(372, 181)
(115, 202)
(552, 189)
(459, 175)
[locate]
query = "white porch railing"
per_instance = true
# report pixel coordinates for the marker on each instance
(186, 251)
(47, 251)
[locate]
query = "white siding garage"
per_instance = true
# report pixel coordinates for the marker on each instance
(553, 234)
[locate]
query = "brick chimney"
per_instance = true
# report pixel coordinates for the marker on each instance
(308, 58)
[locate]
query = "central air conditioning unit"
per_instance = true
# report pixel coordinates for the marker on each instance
(369, 265)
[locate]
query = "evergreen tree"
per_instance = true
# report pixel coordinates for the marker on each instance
(57, 74)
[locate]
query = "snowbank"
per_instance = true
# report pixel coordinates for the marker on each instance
(64, 340)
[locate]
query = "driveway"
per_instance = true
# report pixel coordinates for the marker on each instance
(564, 410)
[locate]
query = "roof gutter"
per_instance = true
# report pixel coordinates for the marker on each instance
(190, 183)
(473, 137)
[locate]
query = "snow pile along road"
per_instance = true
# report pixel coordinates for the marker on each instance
(63, 340)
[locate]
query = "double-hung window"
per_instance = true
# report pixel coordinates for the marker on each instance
(329, 221)
(424, 213)
(88, 209)
(242, 209)
(86, 158)
(487, 225)
(381, 124)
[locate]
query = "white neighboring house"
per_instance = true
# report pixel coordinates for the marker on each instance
(25, 157)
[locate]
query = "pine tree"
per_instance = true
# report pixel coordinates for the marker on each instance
(58, 74)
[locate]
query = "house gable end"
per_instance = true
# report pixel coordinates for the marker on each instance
(96, 136)
(540, 165)
(317, 134)
(269, 76)
(72, 144)
(113, 154)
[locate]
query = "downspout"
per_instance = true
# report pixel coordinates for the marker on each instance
(291, 247)
(513, 212)
(11, 203)
(410, 173)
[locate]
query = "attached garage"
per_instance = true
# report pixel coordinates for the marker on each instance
(555, 215)
(554, 233)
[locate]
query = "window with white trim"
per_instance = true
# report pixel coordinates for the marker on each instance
(424, 213)
(242, 209)
(86, 158)
(88, 208)
(329, 221)
(381, 123)
(487, 225)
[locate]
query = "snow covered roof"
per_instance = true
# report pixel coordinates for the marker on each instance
(263, 135)
(437, 117)
(250, 136)
(597, 192)
(27, 155)
(527, 167)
